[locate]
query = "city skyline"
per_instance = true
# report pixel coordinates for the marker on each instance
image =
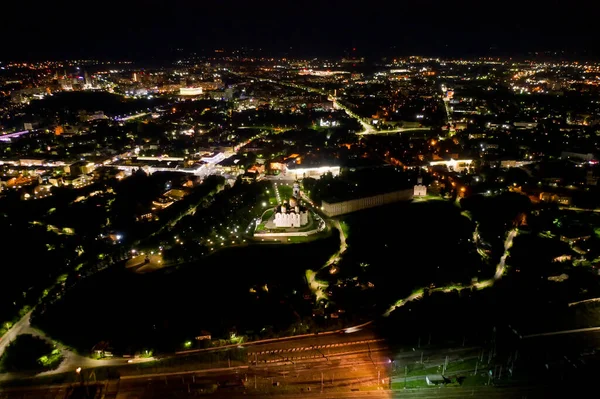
(157, 29)
(296, 199)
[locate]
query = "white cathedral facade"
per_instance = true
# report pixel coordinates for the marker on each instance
(420, 190)
(291, 219)
(291, 215)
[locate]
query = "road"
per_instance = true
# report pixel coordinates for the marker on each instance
(71, 360)
(139, 265)
(507, 246)
(336, 362)
(573, 331)
(343, 245)
(306, 339)
(500, 268)
(341, 365)
(21, 327)
(331, 361)
(399, 130)
(572, 208)
(446, 105)
(199, 385)
(367, 128)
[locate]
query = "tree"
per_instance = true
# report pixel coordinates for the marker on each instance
(250, 159)
(309, 184)
(27, 353)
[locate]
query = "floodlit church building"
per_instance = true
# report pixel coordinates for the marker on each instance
(291, 215)
(420, 189)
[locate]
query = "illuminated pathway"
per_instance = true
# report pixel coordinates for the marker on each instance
(343, 246)
(21, 327)
(399, 130)
(70, 362)
(318, 287)
(578, 330)
(500, 268)
(584, 301)
(507, 245)
(367, 129)
(446, 101)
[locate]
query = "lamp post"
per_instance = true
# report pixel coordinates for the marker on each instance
(79, 374)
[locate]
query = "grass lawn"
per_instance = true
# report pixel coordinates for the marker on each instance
(420, 370)
(345, 228)
(466, 364)
(432, 197)
(267, 215)
(296, 240)
(417, 369)
(311, 237)
(285, 191)
(411, 384)
(477, 380)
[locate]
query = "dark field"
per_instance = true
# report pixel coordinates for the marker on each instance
(166, 308)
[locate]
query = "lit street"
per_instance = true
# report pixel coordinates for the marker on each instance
(340, 365)
(300, 199)
(21, 327)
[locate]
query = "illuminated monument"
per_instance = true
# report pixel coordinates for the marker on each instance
(420, 189)
(291, 214)
(296, 190)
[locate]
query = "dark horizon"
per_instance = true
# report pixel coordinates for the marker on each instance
(155, 29)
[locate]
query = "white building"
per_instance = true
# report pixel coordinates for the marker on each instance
(291, 215)
(190, 91)
(291, 219)
(454, 165)
(316, 172)
(420, 191)
(296, 189)
(213, 158)
(511, 163)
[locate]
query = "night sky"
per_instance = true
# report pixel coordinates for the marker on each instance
(104, 29)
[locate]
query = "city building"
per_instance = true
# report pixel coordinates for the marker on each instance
(80, 168)
(190, 91)
(343, 207)
(555, 198)
(454, 165)
(420, 190)
(577, 155)
(299, 172)
(291, 214)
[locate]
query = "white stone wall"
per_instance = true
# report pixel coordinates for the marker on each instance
(420, 190)
(341, 208)
(291, 219)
